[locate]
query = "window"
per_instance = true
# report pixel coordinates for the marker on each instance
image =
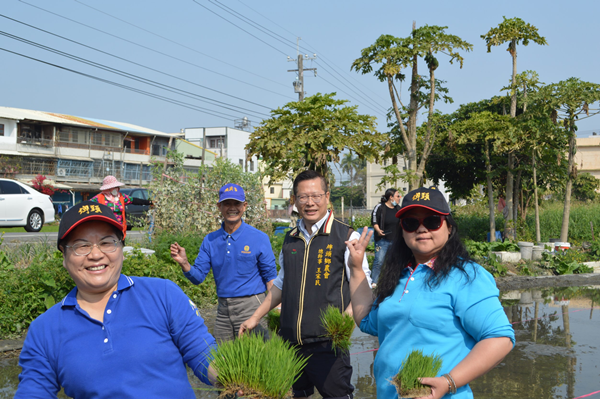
(216, 142)
(241, 162)
(251, 166)
(1, 129)
(10, 187)
(272, 190)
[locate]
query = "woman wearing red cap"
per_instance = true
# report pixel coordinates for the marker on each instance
(431, 297)
(112, 197)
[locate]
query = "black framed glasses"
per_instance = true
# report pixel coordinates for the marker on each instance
(431, 223)
(84, 248)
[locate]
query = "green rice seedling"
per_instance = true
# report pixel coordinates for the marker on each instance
(257, 368)
(414, 366)
(274, 320)
(339, 327)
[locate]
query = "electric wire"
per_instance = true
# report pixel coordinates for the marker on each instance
(138, 64)
(290, 43)
(307, 49)
(156, 51)
(143, 92)
(179, 44)
(240, 28)
(121, 73)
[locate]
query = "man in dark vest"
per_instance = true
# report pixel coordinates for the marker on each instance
(314, 274)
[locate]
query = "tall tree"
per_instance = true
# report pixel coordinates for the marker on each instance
(392, 55)
(492, 130)
(513, 31)
(570, 101)
(312, 133)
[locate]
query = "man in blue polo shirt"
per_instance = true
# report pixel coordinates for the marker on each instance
(242, 261)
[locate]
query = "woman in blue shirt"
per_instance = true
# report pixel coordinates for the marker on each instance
(431, 297)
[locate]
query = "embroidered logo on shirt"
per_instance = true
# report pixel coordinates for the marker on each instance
(194, 308)
(246, 249)
(294, 252)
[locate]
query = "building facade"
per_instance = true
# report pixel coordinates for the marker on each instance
(77, 153)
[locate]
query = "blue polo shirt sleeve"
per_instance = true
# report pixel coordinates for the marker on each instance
(479, 309)
(38, 379)
(201, 265)
(368, 325)
(266, 261)
(189, 332)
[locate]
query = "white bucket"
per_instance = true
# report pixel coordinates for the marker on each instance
(536, 253)
(526, 249)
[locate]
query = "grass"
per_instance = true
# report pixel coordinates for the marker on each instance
(339, 327)
(414, 366)
(274, 321)
(260, 369)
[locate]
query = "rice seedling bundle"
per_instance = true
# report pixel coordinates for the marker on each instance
(414, 366)
(259, 369)
(339, 327)
(274, 320)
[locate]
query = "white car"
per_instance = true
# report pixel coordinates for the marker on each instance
(22, 206)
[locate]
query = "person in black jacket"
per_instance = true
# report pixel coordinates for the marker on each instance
(384, 223)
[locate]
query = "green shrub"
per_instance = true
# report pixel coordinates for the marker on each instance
(25, 293)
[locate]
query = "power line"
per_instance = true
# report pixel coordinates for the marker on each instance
(129, 75)
(146, 93)
(153, 50)
(242, 29)
(138, 64)
(273, 34)
(179, 44)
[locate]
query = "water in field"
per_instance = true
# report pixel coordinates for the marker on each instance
(557, 354)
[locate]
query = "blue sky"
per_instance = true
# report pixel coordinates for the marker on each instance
(246, 70)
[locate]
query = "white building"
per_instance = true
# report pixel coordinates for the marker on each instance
(374, 174)
(226, 142)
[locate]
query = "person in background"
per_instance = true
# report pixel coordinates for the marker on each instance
(431, 297)
(242, 262)
(384, 224)
(111, 196)
(112, 336)
(314, 274)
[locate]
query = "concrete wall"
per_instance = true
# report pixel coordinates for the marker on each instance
(587, 157)
(9, 140)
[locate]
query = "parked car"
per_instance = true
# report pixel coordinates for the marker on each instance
(135, 213)
(23, 206)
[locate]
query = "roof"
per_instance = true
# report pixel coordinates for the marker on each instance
(51, 117)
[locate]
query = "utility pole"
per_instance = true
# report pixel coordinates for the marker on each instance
(299, 82)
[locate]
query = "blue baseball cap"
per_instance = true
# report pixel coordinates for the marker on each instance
(232, 191)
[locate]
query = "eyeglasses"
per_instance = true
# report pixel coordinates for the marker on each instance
(84, 248)
(303, 199)
(431, 223)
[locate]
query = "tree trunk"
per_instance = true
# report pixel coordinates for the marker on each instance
(490, 190)
(430, 137)
(538, 235)
(509, 228)
(564, 230)
(508, 223)
(516, 192)
(412, 122)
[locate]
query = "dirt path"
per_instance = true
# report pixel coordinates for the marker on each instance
(525, 282)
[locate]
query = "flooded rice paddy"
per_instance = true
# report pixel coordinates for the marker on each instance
(557, 354)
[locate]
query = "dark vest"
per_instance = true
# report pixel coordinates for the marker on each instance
(315, 277)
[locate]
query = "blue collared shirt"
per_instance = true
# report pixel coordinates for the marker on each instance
(448, 319)
(242, 262)
(151, 330)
